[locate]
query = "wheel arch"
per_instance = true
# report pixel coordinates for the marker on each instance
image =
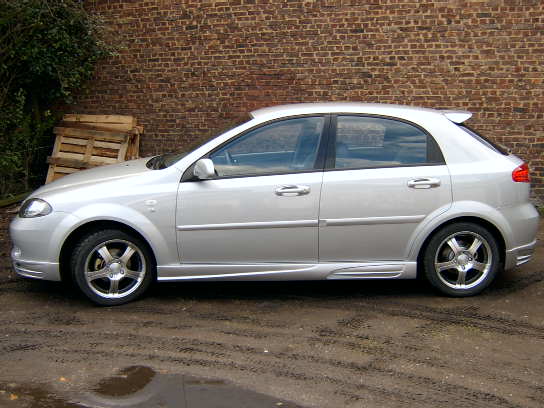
(90, 227)
(473, 219)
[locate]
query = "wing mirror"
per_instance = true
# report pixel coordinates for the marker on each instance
(204, 169)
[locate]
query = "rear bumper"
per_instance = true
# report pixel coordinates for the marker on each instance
(520, 255)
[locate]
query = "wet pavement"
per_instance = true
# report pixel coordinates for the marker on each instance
(315, 344)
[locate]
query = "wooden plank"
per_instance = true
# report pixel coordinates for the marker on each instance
(107, 145)
(83, 142)
(72, 148)
(59, 161)
(120, 127)
(50, 174)
(122, 156)
(101, 135)
(73, 141)
(75, 156)
(67, 170)
(98, 149)
(88, 150)
(99, 118)
(99, 161)
(101, 152)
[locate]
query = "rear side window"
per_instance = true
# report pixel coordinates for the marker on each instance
(485, 141)
(370, 142)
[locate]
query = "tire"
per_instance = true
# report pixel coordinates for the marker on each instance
(112, 267)
(461, 259)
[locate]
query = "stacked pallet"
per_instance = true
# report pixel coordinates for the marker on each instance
(85, 141)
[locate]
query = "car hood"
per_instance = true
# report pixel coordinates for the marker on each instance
(94, 175)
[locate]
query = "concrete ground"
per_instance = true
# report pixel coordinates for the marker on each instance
(312, 344)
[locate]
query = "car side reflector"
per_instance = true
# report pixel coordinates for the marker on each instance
(521, 174)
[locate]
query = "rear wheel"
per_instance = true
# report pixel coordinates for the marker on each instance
(462, 259)
(112, 267)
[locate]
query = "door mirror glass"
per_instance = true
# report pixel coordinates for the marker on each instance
(204, 169)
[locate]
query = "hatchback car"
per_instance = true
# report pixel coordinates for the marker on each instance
(298, 192)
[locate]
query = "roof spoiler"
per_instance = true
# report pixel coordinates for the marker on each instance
(457, 116)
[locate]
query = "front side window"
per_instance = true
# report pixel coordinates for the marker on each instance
(279, 147)
(369, 142)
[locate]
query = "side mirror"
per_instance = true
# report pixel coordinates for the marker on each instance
(204, 169)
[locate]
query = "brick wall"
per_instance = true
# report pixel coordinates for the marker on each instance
(188, 68)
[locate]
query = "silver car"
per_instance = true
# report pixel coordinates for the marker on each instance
(298, 192)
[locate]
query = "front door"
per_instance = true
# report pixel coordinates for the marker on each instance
(263, 205)
(383, 178)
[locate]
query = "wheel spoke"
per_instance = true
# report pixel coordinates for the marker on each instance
(454, 245)
(101, 273)
(476, 244)
(461, 278)
(133, 274)
(105, 254)
(127, 254)
(479, 266)
(114, 287)
(442, 266)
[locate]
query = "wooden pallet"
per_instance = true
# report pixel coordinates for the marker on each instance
(85, 141)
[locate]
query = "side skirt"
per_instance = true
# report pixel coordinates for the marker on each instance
(288, 271)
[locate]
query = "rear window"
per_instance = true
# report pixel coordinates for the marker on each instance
(485, 141)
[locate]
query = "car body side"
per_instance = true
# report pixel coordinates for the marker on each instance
(145, 200)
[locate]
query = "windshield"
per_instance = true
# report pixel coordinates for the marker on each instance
(167, 159)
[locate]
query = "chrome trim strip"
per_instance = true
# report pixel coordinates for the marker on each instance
(222, 275)
(520, 260)
(364, 275)
(402, 219)
(248, 225)
(27, 273)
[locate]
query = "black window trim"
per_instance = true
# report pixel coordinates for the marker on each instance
(331, 152)
(319, 164)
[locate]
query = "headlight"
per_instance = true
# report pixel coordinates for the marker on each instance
(34, 207)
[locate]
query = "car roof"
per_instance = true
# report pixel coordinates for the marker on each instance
(354, 107)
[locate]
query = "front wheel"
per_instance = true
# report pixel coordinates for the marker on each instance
(462, 259)
(112, 267)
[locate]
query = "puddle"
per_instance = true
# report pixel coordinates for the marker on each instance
(139, 387)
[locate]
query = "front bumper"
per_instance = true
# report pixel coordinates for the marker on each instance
(36, 270)
(37, 242)
(520, 255)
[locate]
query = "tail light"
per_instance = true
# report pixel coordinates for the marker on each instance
(521, 174)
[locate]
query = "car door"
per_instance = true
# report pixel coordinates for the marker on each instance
(383, 178)
(263, 205)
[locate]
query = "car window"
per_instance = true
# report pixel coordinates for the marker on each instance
(279, 147)
(377, 142)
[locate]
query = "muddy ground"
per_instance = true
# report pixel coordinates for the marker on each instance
(318, 344)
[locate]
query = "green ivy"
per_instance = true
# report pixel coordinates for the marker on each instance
(48, 49)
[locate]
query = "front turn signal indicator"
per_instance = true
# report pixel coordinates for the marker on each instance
(521, 174)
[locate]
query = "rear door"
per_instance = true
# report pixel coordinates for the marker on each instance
(383, 178)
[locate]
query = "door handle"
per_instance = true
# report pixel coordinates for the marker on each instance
(292, 190)
(424, 182)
